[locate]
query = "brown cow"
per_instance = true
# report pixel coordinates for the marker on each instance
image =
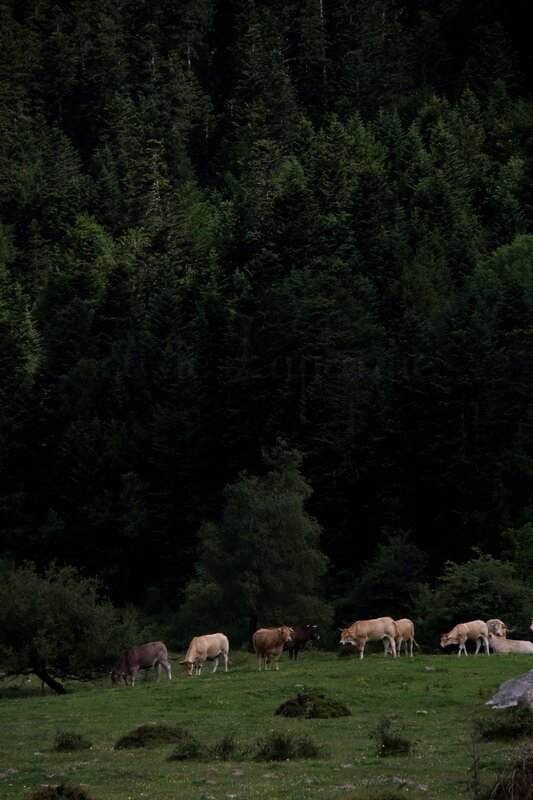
(371, 630)
(477, 629)
(269, 642)
(144, 656)
(210, 646)
(503, 646)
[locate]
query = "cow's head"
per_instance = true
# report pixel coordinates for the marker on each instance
(286, 633)
(117, 677)
(188, 667)
(313, 632)
(445, 640)
(347, 636)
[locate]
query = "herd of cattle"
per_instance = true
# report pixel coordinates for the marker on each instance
(270, 643)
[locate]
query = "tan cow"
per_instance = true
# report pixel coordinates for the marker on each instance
(405, 636)
(210, 646)
(371, 630)
(477, 630)
(503, 646)
(269, 642)
(497, 627)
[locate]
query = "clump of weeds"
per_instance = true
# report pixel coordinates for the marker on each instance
(65, 741)
(151, 736)
(282, 746)
(63, 791)
(389, 742)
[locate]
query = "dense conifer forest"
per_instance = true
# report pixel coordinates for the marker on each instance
(266, 296)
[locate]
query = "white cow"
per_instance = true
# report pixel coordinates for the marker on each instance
(371, 630)
(477, 629)
(210, 646)
(504, 646)
(497, 627)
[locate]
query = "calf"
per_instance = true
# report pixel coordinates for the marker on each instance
(211, 646)
(497, 627)
(144, 656)
(269, 642)
(467, 630)
(371, 630)
(299, 638)
(503, 646)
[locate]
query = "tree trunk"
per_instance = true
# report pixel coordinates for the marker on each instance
(58, 688)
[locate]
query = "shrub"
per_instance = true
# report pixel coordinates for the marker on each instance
(513, 723)
(313, 705)
(69, 740)
(281, 746)
(226, 749)
(151, 736)
(188, 748)
(516, 781)
(389, 742)
(63, 791)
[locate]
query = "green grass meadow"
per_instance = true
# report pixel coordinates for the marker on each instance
(432, 699)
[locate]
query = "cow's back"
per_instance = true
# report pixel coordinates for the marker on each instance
(381, 626)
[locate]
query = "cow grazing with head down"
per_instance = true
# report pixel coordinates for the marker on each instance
(503, 646)
(209, 647)
(371, 630)
(269, 642)
(475, 630)
(299, 638)
(144, 656)
(497, 627)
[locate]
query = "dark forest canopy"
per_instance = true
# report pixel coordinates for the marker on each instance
(223, 224)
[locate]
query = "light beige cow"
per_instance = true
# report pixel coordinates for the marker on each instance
(497, 627)
(475, 630)
(269, 642)
(371, 630)
(210, 647)
(405, 636)
(503, 646)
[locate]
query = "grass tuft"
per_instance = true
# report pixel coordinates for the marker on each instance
(389, 742)
(313, 705)
(62, 791)
(282, 746)
(65, 741)
(511, 723)
(516, 781)
(188, 748)
(151, 736)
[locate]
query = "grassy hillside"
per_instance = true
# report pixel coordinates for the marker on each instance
(434, 699)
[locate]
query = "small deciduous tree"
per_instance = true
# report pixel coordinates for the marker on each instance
(262, 563)
(57, 625)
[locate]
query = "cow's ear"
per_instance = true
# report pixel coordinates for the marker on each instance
(182, 662)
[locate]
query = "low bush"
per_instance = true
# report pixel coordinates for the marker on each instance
(69, 740)
(389, 742)
(313, 705)
(151, 736)
(281, 746)
(516, 781)
(62, 791)
(188, 748)
(226, 749)
(511, 723)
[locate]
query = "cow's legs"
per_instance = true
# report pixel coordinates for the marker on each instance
(215, 663)
(225, 657)
(410, 647)
(388, 641)
(361, 650)
(133, 673)
(462, 646)
(157, 667)
(168, 670)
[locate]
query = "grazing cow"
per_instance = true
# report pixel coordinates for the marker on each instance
(497, 627)
(144, 656)
(467, 630)
(269, 642)
(503, 646)
(371, 630)
(299, 638)
(211, 647)
(405, 636)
